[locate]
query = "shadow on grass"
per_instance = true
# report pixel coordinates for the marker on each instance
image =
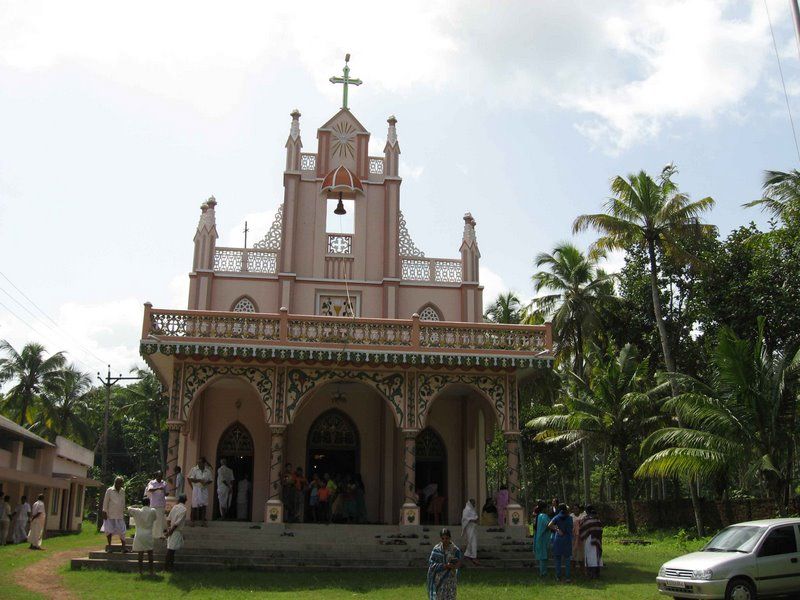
(365, 582)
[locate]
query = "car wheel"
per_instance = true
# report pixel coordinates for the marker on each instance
(740, 589)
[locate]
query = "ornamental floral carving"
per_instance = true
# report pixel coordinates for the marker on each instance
(272, 241)
(430, 384)
(196, 376)
(407, 245)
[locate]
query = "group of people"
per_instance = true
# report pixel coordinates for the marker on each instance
(574, 538)
(200, 479)
(570, 538)
(322, 499)
(23, 523)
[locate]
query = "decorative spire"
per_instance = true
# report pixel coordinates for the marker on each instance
(391, 136)
(469, 230)
(208, 220)
(294, 132)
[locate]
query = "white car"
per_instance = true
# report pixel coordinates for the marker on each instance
(742, 562)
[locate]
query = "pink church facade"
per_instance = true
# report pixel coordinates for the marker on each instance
(342, 348)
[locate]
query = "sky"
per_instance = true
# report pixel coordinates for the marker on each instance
(118, 119)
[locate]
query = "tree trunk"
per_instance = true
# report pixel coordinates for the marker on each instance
(625, 484)
(669, 362)
(587, 488)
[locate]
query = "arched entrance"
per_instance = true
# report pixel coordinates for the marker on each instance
(431, 467)
(236, 447)
(333, 445)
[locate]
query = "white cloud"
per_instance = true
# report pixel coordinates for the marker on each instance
(493, 285)
(409, 171)
(258, 224)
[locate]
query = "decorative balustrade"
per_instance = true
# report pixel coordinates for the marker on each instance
(341, 333)
(375, 165)
(340, 243)
(308, 161)
(245, 260)
(439, 270)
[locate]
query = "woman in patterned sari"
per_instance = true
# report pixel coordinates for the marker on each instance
(443, 568)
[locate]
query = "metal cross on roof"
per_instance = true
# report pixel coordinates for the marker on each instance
(346, 80)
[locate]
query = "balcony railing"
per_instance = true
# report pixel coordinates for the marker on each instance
(438, 270)
(245, 260)
(308, 161)
(341, 333)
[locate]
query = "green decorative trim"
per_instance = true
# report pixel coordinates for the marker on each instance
(430, 384)
(352, 356)
(195, 376)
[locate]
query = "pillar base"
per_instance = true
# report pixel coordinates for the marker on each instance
(409, 514)
(273, 512)
(515, 516)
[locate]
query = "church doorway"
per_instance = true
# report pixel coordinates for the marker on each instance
(431, 469)
(236, 447)
(333, 445)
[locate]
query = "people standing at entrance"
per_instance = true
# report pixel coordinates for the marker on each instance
(287, 492)
(38, 518)
(553, 510)
(300, 486)
(578, 514)
(145, 518)
(501, 501)
(225, 481)
(242, 495)
(591, 536)
(156, 492)
(22, 514)
(313, 497)
(5, 519)
(113, 513)
(541, 536)
(489, 513)
(469, 531)
(561, 526)
(200, 477)
(175, 523)
(443, 565)
(323, 494)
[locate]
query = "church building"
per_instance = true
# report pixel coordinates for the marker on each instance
(335, 344)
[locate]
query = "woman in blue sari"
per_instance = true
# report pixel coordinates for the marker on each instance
(443, 568)
(541, 536)
(561, 525)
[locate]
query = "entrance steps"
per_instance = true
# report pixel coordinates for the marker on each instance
(317, 547)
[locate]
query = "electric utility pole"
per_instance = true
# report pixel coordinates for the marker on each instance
(108, 383)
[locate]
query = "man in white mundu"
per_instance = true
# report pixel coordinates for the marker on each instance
(38, 517)
(225, 481)
(200, 477)
(156, 490)
(175, 522)
(114, 513)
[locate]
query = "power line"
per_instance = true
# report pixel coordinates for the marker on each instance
(63, 330)
(783, 81)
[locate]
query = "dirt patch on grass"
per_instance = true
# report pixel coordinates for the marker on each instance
(43, 577)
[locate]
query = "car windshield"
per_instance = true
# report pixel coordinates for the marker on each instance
(739, 538)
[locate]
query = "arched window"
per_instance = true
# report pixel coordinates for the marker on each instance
(429, 314)
(333, 430)
(429, 446)
(244, 305)
(236, 441)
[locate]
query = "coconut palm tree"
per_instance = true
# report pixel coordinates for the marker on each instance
(145, 399)
(577, 289)
(64, 407)
(744, 421)
(31, 372)
(506, 308)
(612, 408)
(656, 216)
(781, 194)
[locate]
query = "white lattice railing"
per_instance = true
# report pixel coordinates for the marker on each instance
(375, 165)
(245, 260)
(439, 270)
(340, 243)
(337, 332)
(308, 161)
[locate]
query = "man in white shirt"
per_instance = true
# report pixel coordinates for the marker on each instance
(21, 515)
(38, 517)
(225, 481)
(114, 513)
(175, 522)
(5, 519)
(200, 477)
(156, 490)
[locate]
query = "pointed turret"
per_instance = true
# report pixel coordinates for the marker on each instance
(392, 150)
(205, 239)
(470, 255)
(294, 144)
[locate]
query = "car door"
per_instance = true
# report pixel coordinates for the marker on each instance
(778, 561)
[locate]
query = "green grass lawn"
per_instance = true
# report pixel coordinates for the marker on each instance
(630, 574)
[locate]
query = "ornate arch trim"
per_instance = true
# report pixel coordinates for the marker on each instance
(197, 378)
(301, 384)
(491, 388)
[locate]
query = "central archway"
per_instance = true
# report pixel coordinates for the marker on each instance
(236, 447)
(333, 445)
(431, 468)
